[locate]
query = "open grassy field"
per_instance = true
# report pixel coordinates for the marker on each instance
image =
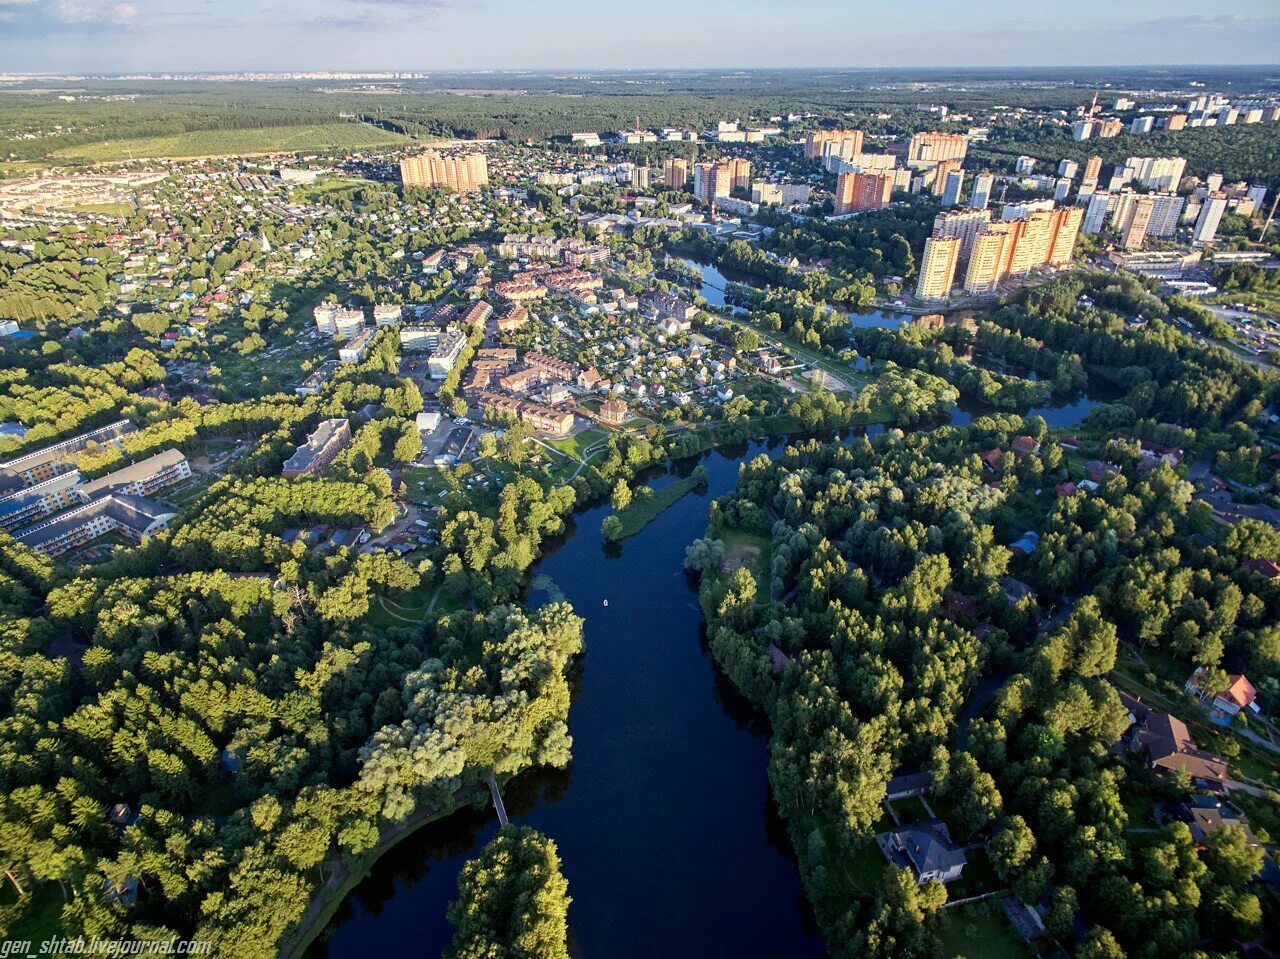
(577, 444)
(326, 136)
(106, 209)
(979, 932)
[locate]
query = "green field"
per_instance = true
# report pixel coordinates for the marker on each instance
(979, 932)
(121, 209)
(327, 136)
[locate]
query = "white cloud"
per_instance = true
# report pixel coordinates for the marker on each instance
(96, 11)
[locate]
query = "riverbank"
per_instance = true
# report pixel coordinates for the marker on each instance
(668, 774)
(346, 876)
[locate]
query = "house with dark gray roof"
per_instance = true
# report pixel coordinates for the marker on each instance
(925, 847)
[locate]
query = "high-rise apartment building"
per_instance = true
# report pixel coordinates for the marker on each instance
(1177, 121)
(1068, 169)
(464, 173)
(857, 192)
(963, 225)
(739, 174)
(1157, 173)
(952, 187)
(711, 180)
(992, 253)
(939, 174)
(1096, 212)
(929, 148)
(981, 194)
(1024, 165)
(1133, 232)
(640, 177)
(845, 143)
(675, 171)
(1166, 210)
(1141, 124)
(1015, 247)
(1206, 227)
(938, 267)
(1092, 170)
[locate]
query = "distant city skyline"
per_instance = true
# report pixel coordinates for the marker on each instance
(109, 36)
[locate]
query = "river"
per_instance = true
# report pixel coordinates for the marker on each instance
(668, 835)
(1056, 413)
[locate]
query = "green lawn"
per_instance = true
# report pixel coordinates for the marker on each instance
(577, 444)
(328, 189)
(753, 551)
(200, 143)
(979, 931)
(120, 209)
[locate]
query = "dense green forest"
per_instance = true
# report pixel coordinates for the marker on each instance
(905, 618)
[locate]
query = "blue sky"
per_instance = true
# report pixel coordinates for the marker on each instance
(191, 35)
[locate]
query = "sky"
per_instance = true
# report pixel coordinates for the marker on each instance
(115, 36)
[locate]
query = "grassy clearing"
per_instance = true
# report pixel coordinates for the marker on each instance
(578, 444)
(752, 552)
(979, 931)
(119, 209)
(644, 511)
(328, 189)
(201, 143)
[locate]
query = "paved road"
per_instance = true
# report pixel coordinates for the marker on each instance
(497, 799)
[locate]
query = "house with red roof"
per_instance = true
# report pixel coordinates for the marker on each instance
(1224, 703)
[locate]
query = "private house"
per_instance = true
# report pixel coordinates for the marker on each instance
(907, 785)
(926, 848)
(1016, 589)
(1026, 543)
(1207, 814)
(613, 412)
(1098, 471)
(1223, 704)
(1263, 567)
(1169, 748)
(1024, 445)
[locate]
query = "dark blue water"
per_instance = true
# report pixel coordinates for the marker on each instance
(668, 836)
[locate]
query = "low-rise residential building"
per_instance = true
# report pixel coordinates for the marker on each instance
(26, 504)
(541, 418)
(354, 350)
(387, 314)
(314, 383)
(134, 517)
(39, 465)
(328, 440)
(444, 357)
(138, 479)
